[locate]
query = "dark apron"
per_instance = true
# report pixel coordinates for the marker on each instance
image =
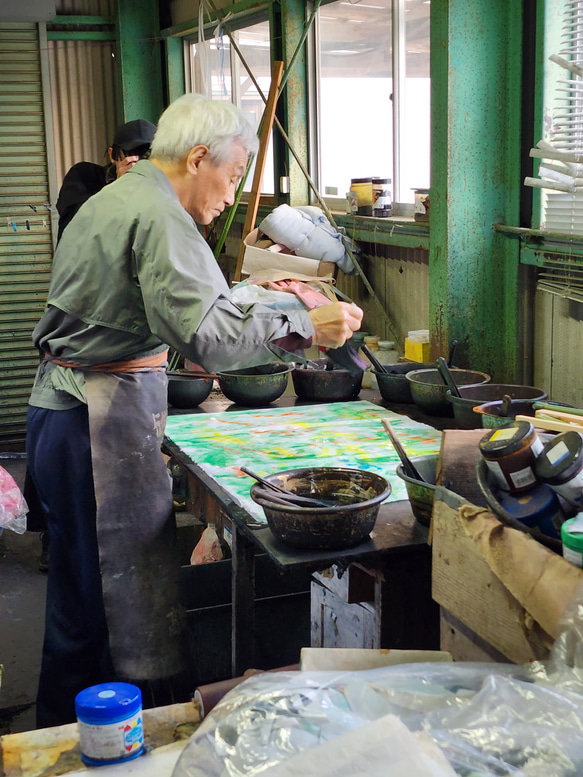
(136, 529)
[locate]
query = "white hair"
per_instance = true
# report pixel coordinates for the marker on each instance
(193, 120)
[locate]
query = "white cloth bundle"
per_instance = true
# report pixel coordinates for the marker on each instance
(306, 231)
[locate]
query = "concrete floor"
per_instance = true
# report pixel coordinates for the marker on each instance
(22, 602)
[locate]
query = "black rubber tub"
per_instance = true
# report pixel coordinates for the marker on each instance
(186, 390)
(255, 386)
(327, 384)
(473, 396)
(356, 495)
(394, 386)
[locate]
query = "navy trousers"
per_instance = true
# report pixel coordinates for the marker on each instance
(76, 646)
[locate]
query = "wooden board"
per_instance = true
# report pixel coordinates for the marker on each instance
(463, 584)
(456, 468)
(52, 751)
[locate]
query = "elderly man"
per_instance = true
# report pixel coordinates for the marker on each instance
(132, 275)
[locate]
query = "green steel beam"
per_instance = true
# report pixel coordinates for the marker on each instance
(85, 20)
(80, 35)
(140, 60)
(191, 25)
(385, 231)
(175, 68)
(295, 98)
(475, 182)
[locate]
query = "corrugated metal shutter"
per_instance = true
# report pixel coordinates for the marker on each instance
(25, 225)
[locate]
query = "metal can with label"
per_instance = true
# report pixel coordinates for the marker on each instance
(560, 465)
(511, 453)
(381, 197)
(110, 723)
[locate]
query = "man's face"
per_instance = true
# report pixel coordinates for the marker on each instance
(213, 187)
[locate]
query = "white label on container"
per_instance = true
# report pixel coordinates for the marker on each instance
(507, 433)
(558, 452)
(537, 446)
(572, 490)
(496, 470)
(111, 741)
(574, 556)
(522, 477)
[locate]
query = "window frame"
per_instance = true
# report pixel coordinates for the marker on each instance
(398, 56)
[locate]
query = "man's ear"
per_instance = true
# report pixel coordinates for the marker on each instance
(194, 158)
(110, 152)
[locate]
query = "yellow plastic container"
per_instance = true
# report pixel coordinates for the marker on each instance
(416, 352)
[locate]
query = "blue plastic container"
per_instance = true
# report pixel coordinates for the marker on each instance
(110, 723)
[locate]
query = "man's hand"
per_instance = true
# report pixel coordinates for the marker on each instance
(335, 323)
(126, 164)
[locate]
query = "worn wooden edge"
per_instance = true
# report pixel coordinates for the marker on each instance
(54, 751)
(464, 584)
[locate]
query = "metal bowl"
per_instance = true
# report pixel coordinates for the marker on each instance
(186, 390)
(255, 386)
(393, 385)
(325, 385)
(357, 495)
(472, 396)
(421, 494)
(489, 414)
(429, 391)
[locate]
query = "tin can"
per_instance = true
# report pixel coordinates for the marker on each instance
(381, 197)
(560, 465)
(510, 454)
(110, 723)
(363, 189)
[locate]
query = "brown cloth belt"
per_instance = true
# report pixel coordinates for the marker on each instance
(155, 363)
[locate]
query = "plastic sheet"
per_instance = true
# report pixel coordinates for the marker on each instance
(488, 720)
(13, 507)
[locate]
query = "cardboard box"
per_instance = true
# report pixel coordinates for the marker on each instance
(255, 259)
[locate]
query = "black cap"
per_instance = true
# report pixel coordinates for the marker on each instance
(134, 134)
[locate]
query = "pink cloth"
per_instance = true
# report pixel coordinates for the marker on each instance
(303, 291)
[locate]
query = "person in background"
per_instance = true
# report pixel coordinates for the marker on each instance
(131, 143)
(133, 275)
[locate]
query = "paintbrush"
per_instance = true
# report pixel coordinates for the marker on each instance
(408, 467)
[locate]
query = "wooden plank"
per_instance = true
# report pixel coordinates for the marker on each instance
(56, 750)
(266, 127)
(456, 468)
(463, 583)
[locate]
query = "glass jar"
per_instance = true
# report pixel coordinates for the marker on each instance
(381, 197)
(363, 189)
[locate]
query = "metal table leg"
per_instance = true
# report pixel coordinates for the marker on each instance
(243, 607)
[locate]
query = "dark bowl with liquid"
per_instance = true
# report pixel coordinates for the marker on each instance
(393, 384)
(255, 386)
(320, 381)
(355, 495)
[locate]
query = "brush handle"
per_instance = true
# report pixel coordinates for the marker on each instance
(409, 468)
(372, 359)
(447, 377)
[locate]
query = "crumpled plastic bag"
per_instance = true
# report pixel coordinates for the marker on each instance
(208, 548)
(487, 719)
(13, 507)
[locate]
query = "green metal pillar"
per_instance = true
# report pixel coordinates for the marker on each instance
(293, 18)
(175, 68)
(140, 65)
(475, 182)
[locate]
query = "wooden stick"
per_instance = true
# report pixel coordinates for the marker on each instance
(560, 416)
(266, 127)
(550, 426)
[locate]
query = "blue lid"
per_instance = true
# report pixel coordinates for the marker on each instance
(108, 700)
(532, 506)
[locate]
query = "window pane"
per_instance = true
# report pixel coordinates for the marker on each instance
(415, 139)
(212, 65)
(354, 91)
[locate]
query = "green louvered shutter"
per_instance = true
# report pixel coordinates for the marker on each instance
(25, 225)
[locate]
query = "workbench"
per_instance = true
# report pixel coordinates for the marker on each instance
(396, 538)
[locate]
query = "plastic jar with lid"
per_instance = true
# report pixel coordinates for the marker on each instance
(110, 723)
(363, 189)
(572, 539)
(510, 454)
(381, 197)
(387, 353)
(560, 465)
